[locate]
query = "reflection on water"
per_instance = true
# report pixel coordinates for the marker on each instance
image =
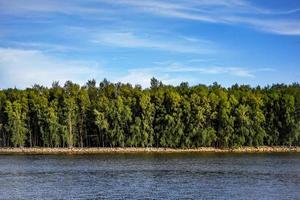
(152, 176)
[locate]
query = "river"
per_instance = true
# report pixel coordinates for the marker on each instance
(151, 176)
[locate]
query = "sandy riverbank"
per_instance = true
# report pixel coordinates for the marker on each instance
(36, 150)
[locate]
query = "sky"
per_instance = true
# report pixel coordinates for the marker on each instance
(197, 41)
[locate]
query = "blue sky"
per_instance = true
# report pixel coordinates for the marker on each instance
(199, 41)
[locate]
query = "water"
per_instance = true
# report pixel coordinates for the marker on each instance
(151, 176)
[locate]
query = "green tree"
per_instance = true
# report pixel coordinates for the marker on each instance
(117, 115)
(16, 123)
(71, 112)
(102, 124)
(54, 126)
(84, 104)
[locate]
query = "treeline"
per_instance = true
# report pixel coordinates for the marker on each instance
(118, 115)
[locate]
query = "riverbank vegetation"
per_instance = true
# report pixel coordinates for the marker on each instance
(120, 115)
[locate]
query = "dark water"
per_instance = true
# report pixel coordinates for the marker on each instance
(151, 176)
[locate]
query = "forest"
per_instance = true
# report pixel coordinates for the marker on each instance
(121, 115)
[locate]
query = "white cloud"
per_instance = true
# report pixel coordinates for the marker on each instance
(143, 76)
(176, 68)
(222, 11)
(281, 27)
(23, 68)
(45, 47)
(176, 73)
(236, 71)
(49, 6)
(132, 40)
(210, 11)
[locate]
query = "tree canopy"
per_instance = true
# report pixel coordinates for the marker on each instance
(118, 115)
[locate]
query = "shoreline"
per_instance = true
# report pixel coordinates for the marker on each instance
(103, 150)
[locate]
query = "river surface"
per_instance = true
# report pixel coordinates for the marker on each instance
(151, 176)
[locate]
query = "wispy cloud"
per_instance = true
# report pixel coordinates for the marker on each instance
(174, 73)
(211, 11)
(221, 11)
(132, 40)
(143, 77)
(23, 68)
(236, 71)
(42, 46)
(280, 26)
(15, 7)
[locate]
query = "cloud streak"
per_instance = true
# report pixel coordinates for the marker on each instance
(222, 11)
(173, 73)
(23, 68)
(232, 12)
(236, 71)
(132, 40)
(42, 46)
(75, 7)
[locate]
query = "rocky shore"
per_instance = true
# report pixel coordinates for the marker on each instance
(76, 150)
